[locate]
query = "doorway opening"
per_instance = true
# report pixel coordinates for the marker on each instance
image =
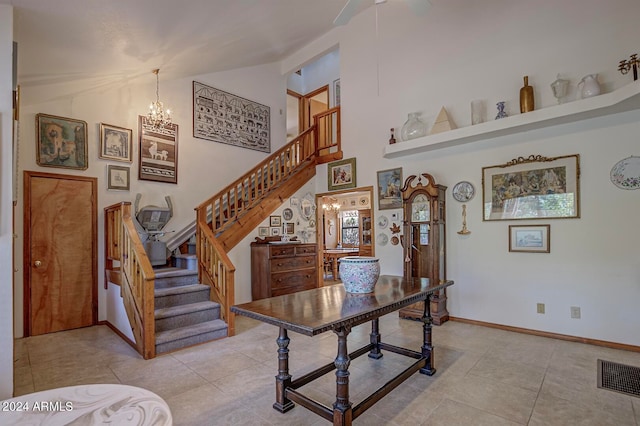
(345, 228)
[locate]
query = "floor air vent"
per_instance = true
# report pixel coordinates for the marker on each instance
(619, 377)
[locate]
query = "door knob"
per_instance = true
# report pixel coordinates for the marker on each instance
(37, 264)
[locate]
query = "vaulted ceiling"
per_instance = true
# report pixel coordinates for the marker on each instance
(95, 43)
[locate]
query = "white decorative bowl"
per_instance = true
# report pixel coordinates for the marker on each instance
(359, 274)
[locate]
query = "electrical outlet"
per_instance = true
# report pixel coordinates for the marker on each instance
(540, 308)
(575, 312)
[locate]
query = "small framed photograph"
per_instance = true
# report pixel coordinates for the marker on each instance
(336, 92)
(118, 178)
(341, 174)
(275, 221)
(529, 238)
(263, 231)
(275, 231)
(288, 228)
(116, 143)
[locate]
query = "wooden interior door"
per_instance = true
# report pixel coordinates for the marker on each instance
(60, 252)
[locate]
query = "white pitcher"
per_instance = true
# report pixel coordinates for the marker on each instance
(588, 86)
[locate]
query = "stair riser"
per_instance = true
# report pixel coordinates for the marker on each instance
(182, 299)
(176, 281)
(193, 340)
(187, 319)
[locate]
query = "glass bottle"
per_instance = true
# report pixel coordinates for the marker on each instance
(413, 127)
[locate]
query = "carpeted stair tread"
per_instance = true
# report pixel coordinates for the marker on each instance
(173, 272)
(190, 288)
(163, 337)
(184, 309)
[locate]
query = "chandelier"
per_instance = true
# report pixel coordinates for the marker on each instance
(158, 117)
(333, 206)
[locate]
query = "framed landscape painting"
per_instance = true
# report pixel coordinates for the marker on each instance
(61, 142)
(535, 187)
(389, 186)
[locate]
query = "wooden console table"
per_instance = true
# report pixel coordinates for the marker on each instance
(327, 308)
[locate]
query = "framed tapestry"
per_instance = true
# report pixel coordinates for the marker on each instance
(535, 187)
(158, 152)
(61, 142)
(389, 186)
(222, 117)
(341, 174)
(115, 143)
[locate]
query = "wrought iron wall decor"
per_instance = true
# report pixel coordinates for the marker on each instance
(226, 118)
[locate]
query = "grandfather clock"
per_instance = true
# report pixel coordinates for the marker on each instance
(424, 247)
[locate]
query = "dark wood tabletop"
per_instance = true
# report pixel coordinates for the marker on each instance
(312, 312)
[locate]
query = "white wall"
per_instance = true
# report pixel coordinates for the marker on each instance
(6, 202)
(204, 167)
(481, 50)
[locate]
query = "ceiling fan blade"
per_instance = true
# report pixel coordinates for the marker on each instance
(347, 12)
(419, 7)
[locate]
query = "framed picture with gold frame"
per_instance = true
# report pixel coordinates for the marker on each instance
(61, 142)
(534, 187)
(530, 238)
(341, 174)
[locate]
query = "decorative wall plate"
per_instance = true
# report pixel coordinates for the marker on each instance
(463, 191)
(287, 214)
(383, 222)
(382, 239)
(626, 173)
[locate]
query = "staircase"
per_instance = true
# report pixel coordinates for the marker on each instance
(184, 313)
(172, 308)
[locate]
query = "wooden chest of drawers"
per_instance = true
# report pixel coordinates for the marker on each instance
(278, 269)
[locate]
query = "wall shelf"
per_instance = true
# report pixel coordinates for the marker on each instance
(626, 98)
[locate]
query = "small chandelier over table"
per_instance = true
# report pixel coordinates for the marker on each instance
(331, 207)
(158, 117)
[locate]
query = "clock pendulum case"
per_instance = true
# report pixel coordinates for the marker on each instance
(424, 248)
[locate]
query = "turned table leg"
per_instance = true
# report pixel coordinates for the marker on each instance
(427, 346)
(342, 414)
(283, 379)
(374, 339)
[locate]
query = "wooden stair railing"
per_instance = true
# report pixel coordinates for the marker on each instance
(127, 262)
(319, 143)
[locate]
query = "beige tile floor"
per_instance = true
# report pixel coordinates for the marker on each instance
(485, 376)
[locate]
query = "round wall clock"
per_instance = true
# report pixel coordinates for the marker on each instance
(463, 191)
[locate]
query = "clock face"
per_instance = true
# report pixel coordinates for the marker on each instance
(463, 191)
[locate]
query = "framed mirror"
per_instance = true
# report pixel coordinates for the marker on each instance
(307, 206)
